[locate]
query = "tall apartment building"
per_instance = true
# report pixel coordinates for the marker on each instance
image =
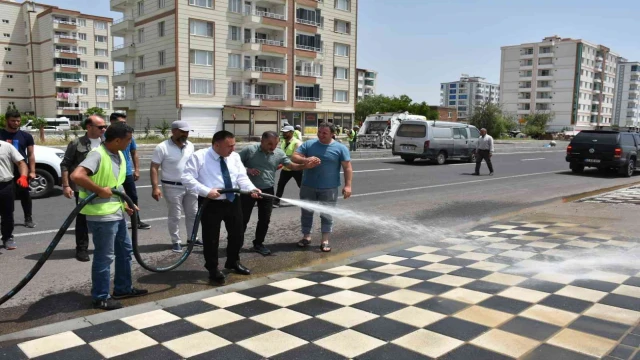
(626, 108)
(572, 79)
(245, 66)
(55, 62)
(367, 81)
(467, 93)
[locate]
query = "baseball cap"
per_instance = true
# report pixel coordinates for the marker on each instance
(287, 128)
(180, 124)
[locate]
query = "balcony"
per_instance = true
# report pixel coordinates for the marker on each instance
(123, 77)
(309, 48)
(597, 79)
(525, 56)
(544, 77)
(545, 66)
(524, 100)
(67, 68)
(68, 110)
(62, 24)
(265, 73)
(524, 112)
(634, 91)
(65, 39)
(526, 67)
(125, 103)
(315, 74)
(123, 51)
(546, 55)
(258, 99)
(264, 45)
(121, 5)
(634, 80)
(544, 100)
(122, 26)
(307, 99)
(522, 78)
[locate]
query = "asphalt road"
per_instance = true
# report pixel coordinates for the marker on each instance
(430, 197)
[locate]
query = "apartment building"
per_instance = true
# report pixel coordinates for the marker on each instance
(571, 79)
(467, 93)
(55, 62)
(367, 81)
(626, 102)
(244, 66)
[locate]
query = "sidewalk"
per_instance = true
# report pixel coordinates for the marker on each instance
(493, 293)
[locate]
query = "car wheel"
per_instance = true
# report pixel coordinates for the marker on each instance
(441, 158)
(472, 158)
(627, 171)
(577, 168)
(42, 185)
(408, 160)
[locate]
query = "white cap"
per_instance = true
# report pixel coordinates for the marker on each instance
(287, 128)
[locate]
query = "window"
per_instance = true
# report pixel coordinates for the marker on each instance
(81, 22)
(140, 8)
(102, 65)
(342, 27)
(201, 28)
(101, 52)
(234, 61)
(343, 5)
(82, 36)
(341, 73)
(162, 4)
(101, 79)
(83, 64)
(235, 88)
(235, 6)
(202, 3)
(86, 78)
(142, 90)
(162, 87)
(201, 87)
(140, 36)
(101, 38)
(102, 92)
(161, 29)
(103, 105)
(234, 33)
(161, 58)
(100, 25)
(342, 50)
(84, 91)
(453, 91)
(205, 58)
(141, 62)
(474, 133)
(82, 50)
(341, 96)
(84, 104)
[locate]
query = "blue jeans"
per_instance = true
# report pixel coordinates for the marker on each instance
(327, 197)
(109, 238)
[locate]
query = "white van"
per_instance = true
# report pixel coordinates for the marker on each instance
(62, 124)
(438, 141)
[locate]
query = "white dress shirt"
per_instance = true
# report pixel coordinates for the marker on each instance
(202, 173)
(485, 143)
(172, 159)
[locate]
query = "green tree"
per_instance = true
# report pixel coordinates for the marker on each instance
(491, 117)
(381, 104)
(95, 111)
(536, 124)
(164, 128)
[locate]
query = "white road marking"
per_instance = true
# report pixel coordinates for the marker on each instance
(532, 159)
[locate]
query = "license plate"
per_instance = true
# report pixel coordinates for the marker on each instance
(593, 161)
(408, 148)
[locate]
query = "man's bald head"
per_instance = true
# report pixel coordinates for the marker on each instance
(96, 126)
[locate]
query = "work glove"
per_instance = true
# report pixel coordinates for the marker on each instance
(22, 181)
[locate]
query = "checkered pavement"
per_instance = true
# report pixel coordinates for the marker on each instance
(630, 195)
(467, 298)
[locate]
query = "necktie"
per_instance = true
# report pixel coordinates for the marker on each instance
(227, 179)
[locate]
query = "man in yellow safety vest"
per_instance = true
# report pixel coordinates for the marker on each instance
(353, 138)
(289, 145)
(104, 169)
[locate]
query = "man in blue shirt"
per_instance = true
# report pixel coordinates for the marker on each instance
(133, 168)
(321, 183)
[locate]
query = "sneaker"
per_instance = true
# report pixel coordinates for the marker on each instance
(491, 173)
(82, 255)
(28, 222)
(134, 293)
(143, 226)
(261, 249)
(177, 248)
(198, 242)
(9, 244)
(106, 304)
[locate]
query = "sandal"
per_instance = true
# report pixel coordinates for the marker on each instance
(304, 243)
(324, 247)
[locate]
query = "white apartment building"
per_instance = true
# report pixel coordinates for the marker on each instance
(572, 79)
(55, 62)
(626, 108)
(467, 93)
(243, 66)
(367, 81)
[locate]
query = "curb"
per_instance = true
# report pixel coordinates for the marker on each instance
(579, 196)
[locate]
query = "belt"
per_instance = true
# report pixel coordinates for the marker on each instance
(171, 182)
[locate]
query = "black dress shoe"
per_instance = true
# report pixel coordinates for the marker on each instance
(217, 278)
(239, 268)
(82, 255)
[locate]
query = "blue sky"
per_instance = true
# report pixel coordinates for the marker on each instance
(417, 44)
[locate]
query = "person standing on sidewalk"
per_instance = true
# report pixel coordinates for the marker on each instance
(289, 145)
(207, 171)
(77, 151)
(104, 169)
(9, 157)
(321, 183)
(133, 168)
(484, 150)
(262, 161)
(353, 138)
(23, 142)
(171, 155)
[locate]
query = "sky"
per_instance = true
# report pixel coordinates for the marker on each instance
(417, 44)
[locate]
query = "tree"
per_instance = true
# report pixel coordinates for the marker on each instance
(164, 128)
(536, 124)
(96, 111)
(491, 117)
(381, 104)
(39, 123)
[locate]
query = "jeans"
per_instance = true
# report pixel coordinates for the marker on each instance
(265, 207)
(327, 197)
(285, 176)
(7, 199)
(352, 145)
(129, 186)
(24, 194)
(212, 217)
(486, 155)
(109, 238)
(179, 200)
(82, 231)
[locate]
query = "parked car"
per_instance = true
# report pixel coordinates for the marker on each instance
(48, 172)
(438, 141)
(604, 150)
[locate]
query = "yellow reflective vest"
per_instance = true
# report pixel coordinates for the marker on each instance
(104, 178)
(288, 150)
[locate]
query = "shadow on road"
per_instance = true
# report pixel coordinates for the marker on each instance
(65, 254)
(51, 305)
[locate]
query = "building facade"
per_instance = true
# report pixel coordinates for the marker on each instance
(245, 66)
(467, 93)
(446, 113)
(56, 62)
(367, 81)
(626, 101)
(571, 79)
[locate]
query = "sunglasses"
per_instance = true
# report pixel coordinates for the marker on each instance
(103, 127)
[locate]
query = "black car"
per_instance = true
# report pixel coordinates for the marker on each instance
(604, 150)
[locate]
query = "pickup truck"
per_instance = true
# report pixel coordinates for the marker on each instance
(604, 150)
(48, 172)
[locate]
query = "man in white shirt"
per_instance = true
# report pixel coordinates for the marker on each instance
(171, 155)
(484, 150)
(206, 172)
(9, 157)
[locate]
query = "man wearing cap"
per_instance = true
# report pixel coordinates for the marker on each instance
(171, 155)
(289, 145)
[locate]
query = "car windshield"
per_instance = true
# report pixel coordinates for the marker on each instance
(603, 138)
(412, 130)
